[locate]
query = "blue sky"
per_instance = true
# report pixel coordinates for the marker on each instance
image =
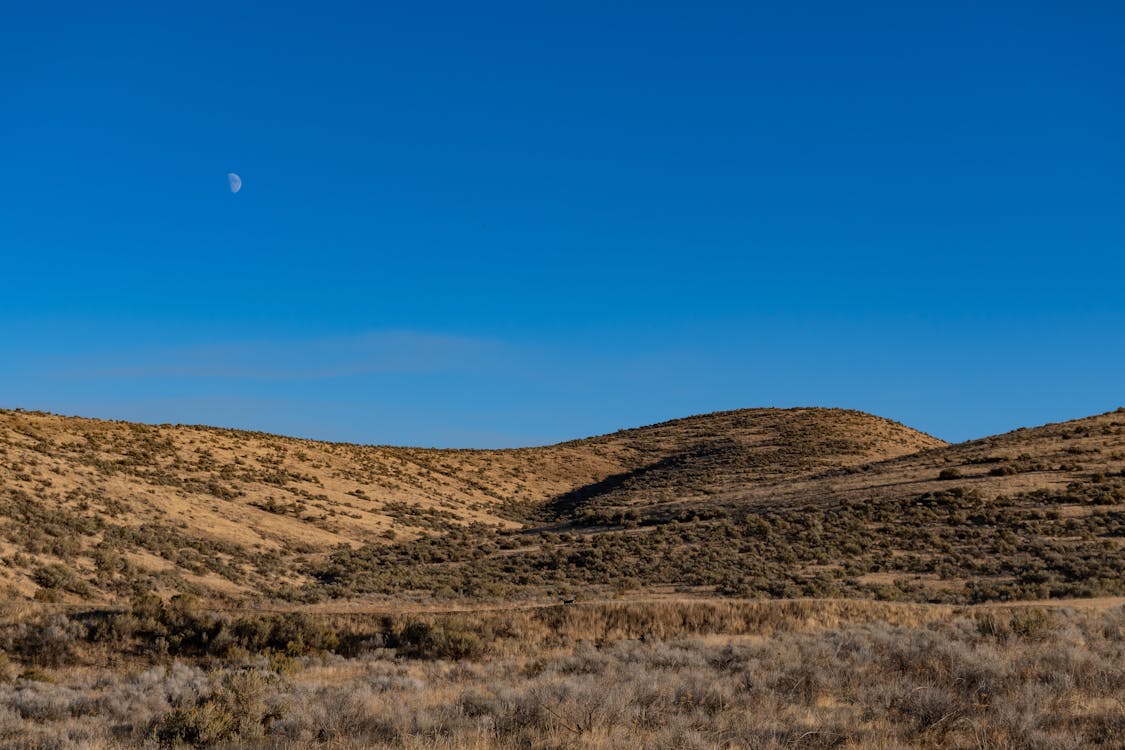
(507, 224)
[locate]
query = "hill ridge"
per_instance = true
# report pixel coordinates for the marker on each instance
(624, 430)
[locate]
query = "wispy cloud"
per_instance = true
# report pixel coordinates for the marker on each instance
(385, 352)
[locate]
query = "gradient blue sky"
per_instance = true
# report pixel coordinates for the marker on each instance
(481, 224)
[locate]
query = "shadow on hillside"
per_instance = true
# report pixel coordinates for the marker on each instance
(565, 506)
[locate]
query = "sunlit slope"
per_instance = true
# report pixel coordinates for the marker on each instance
(766, 502)
(1078, 454)
(1035, 514)
(91, 508)
(699, 458)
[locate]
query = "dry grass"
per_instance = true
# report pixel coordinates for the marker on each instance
(688, 675)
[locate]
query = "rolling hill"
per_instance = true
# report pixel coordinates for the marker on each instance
(758, 502)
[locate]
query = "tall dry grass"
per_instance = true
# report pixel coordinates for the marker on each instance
(842, 674)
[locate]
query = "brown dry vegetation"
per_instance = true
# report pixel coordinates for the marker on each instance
(95, 510)
(755, 503)
(703, 674)
(171, 586)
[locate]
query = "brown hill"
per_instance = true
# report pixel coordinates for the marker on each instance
(1047, 458)
(697, 458)
(755, 502)
(1034, 513)
(92, 507)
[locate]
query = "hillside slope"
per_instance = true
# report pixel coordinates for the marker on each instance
(1048, 458)
(1033, 514)
(764, 502)
(95, 509)
(699, 458)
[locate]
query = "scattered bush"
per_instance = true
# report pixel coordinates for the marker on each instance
(240, 710)
(449, 640)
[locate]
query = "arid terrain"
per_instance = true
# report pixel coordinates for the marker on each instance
(755, 578)
(758, 503)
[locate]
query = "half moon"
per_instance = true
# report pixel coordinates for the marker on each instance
(235, 182)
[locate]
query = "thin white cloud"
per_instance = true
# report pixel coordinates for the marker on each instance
(386, 352)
